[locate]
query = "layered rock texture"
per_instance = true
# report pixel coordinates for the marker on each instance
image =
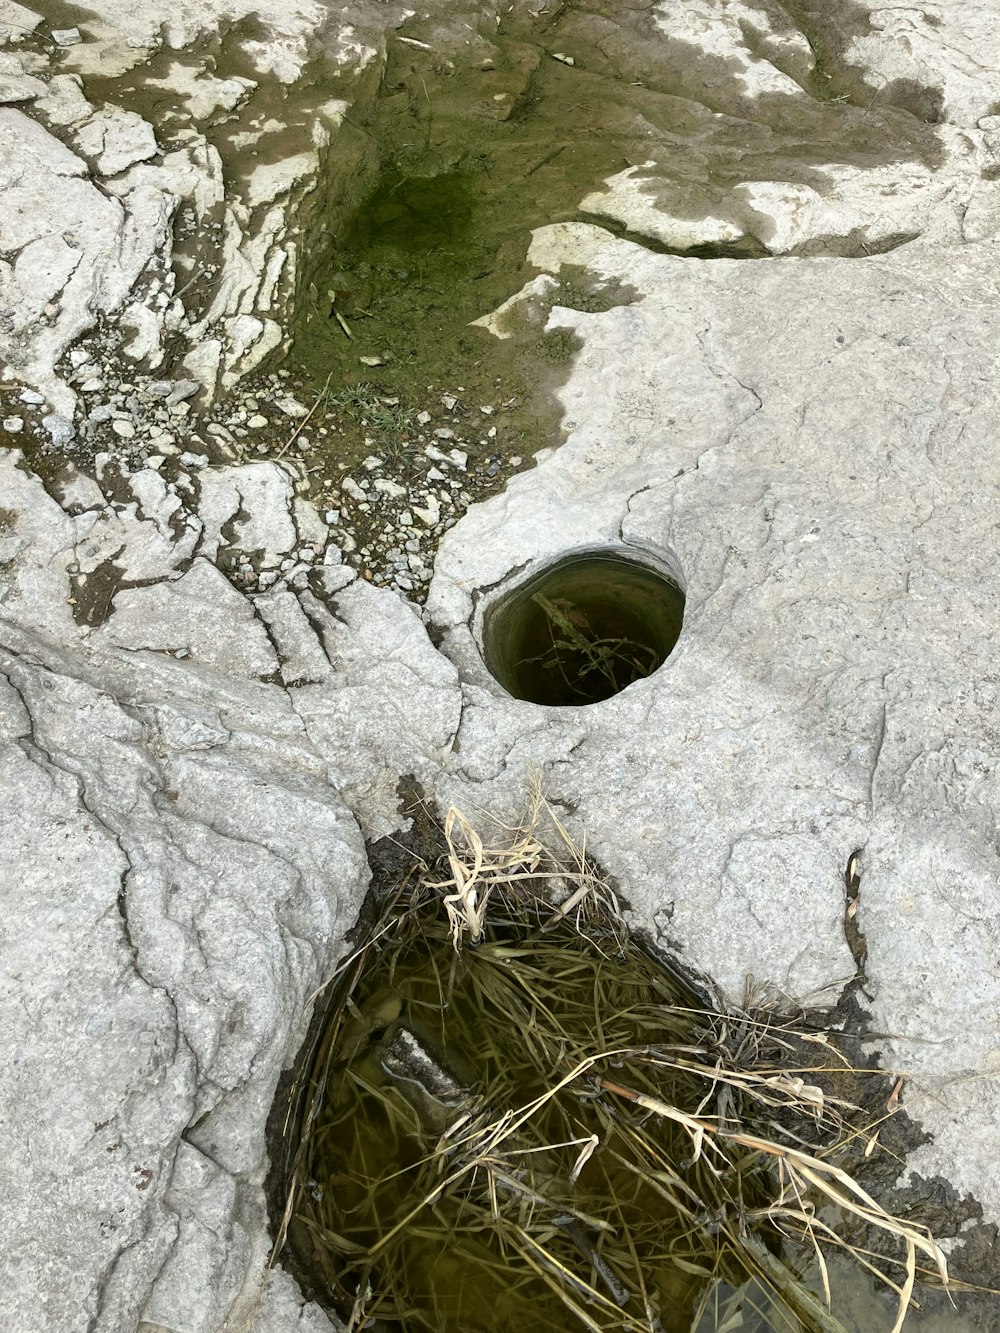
(791, 394)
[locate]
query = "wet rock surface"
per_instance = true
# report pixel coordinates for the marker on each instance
(206, 705)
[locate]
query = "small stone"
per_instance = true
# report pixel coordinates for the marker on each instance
(60, 429)
(563, 59)
(94, 385)
(459, 458)
(13, 424)
(66, 36)
(423, 418)
(155, 432)
(160, 388)
(79, 356)
(181, 390)
(444, 434)
(406, 519)
(125, 429)
(371, 463)
(32, 398)
(257, 422)
(351, 488)
(449, 401)
(516, 460)
(390, 488)
(101, 413)
(290, 406)
(194, 460)
(491, 434)
(431, 514)
(179, 409)
(332, 517)
(487, 411)
(371, 360)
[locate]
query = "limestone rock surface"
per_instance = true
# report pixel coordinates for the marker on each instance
(799, 410)
(813, 442)
(184, 772)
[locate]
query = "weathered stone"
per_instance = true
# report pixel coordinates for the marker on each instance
(188, 768)
(183, 846)
(813, 448)
(59, 429)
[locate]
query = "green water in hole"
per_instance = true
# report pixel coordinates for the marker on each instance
(582, 629)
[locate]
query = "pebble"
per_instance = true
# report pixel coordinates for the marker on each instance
(423, 418)
(79, 356)
(449, 401)
(160, 388)
(371, 360)
(290, 406)
(444, 434)
(181, 390)
(32, 398)
(194, 460)
(257, 422)
(123, 428)
(94, 385)
(179, 409)
(390, 488)
(66, 36)
(459, 458)
(351, 488)
(13, 424)
(59, 428)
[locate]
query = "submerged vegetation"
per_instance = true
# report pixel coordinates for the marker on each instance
(516, 1116)
(588, 664)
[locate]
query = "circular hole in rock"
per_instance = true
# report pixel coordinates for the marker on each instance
(583, 627)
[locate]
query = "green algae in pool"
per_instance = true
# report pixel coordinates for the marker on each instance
(583, 628)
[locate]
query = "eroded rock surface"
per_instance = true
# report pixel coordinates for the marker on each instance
(202, 711)
(181, 786)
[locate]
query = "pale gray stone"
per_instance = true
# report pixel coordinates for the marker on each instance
(187, 769)
(822, 471)
(184, 841)
(58, 428)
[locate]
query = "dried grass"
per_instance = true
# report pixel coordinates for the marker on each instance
(670, 1151)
